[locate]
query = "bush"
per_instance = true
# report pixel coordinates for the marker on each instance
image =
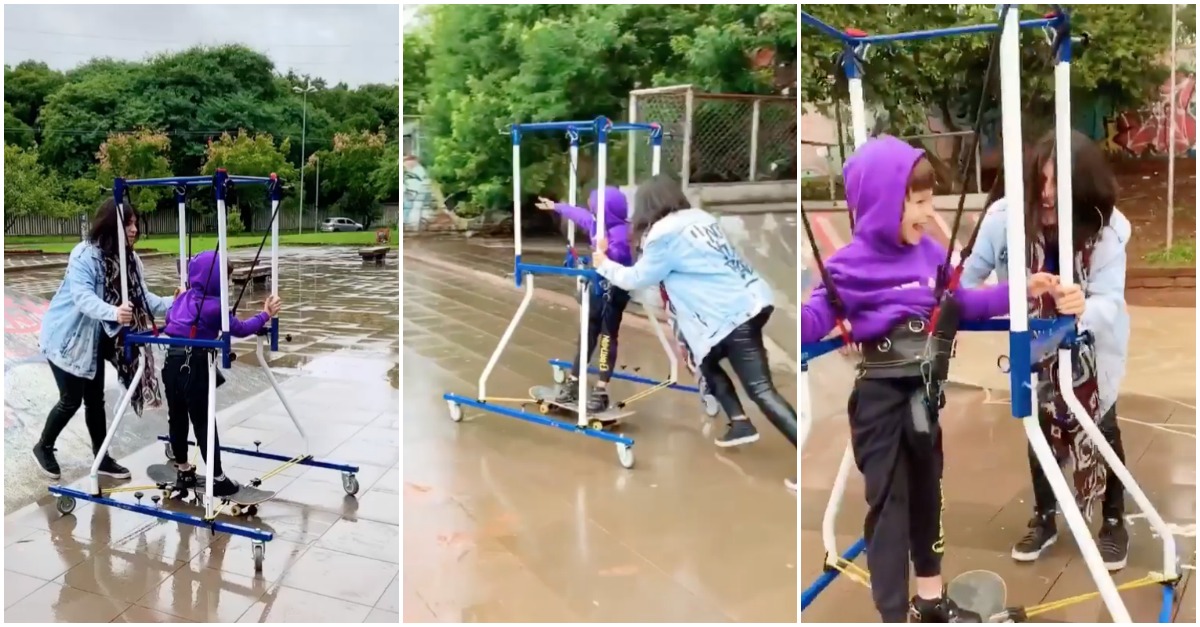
(233, 221)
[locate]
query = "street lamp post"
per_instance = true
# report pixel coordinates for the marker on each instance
(305, 91)
(317, 198)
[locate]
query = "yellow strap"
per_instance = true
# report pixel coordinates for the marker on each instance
(498, 399)
(1148, 580)
(644, 393)
(853, 572)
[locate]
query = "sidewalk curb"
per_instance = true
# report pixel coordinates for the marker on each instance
(49, 265)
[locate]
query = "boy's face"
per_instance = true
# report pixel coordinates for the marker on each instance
(918, 211)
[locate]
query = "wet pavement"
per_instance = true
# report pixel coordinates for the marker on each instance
(334, 557)
(511, 521)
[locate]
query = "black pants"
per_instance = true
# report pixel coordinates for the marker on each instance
(606, 308)
(1114, 493)
(898, 448)
(744, 349)
(74, 391)
(185, 381)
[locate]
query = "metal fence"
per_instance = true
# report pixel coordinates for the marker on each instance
(717, 138)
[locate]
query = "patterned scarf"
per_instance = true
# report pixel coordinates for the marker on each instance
(148, 392)
(1067, 439)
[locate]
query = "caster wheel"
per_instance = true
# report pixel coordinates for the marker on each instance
(625, 455)
(560, 375)
(455, 411)
(349, 483)
(65, 504)
(260, 551)
(596, 425)
(251, 510)
(711, 406)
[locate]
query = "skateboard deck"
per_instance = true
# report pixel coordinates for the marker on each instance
(545, 395)
(980, 591)
(246, 496)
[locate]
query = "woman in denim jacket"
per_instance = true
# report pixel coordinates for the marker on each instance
(81, 328)
(720, 303)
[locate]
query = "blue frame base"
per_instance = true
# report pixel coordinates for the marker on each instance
(308, 461)
(166, 514)
(566, 365)
(537, 419)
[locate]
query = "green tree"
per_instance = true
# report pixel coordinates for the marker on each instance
(137, 155)
(249, 155)
(349, 168)
(27, 86)
(416, 57)
(28, 188)
(386, 177)
(16, 132)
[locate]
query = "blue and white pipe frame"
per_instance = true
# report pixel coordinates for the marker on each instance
(181, 202)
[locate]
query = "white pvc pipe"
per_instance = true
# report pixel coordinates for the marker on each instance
(121, 244)
(274, 249)
(183, 260)
(517, 198)
(572, 192)
(1171, 137)
(805, 409)
(828, 531)
(211, 444)
(672, 357)
(223, 247)
(122, 406)
(512, 326)
(858, 112)
(262, 361)
(755, 110)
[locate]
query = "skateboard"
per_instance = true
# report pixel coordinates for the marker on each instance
(243, 503)
(544, 395)
(980, 591)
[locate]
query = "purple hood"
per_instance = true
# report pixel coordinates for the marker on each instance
(881, 280)
(201, 304)
(616, 223)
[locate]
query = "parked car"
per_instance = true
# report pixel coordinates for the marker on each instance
(340, 224)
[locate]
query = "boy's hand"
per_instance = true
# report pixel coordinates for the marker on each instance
(1042, 283)
(545, 204)
(599, 255)
(272, 305)
(1070, 300)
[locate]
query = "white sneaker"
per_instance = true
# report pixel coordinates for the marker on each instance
(790, 484)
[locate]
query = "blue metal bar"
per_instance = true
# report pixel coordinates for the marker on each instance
(534, 268)
(947, 32)
(828, 30)
(562, 363)
(538, 419)
(1168, 603)
(809, 352)
(166, 340)
(277, 457)
(810, 593)
(274, 334)
(654, 129)
(166, 514)
(577, 125)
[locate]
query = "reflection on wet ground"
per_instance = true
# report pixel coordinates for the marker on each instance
(334, 556)
(510, 521)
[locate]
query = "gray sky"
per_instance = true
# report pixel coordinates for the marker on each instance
(354, 44)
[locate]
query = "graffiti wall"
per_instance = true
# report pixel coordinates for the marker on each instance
(1148, 132)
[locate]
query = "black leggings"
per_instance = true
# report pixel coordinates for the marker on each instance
(744, 349)
(74, 391)
(606, 308)
(1114, 493)
(185, 381)
(897, 446)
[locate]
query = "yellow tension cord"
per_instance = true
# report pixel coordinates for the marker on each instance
(1148, 580)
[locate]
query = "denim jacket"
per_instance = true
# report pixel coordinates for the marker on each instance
(712, 289)
(72, 325)
(1105, 313)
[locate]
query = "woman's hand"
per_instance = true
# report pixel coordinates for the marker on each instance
(125, 313)
(1070, 300)
(600, 254)
(1042, 283)
(545, 204)
(178, 291)
(272, 305)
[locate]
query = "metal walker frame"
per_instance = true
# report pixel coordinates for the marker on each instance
(67, 497)
(1027, 346)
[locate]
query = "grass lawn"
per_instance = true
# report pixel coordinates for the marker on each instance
(170, 243)
(1180, 254)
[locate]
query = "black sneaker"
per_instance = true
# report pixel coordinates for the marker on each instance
(568, 393)
(1114, 544)
(1042, 533)
(598, 401)
(940, 610)
(225, 486)
(185, 479)
(111, 468)
(45, 460)
(739, 432)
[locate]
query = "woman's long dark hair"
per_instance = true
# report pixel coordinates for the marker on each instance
(656, 198)
(1093, 188)
(104, 231)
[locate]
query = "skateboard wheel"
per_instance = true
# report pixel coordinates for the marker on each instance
(65, 504)
(259, 550)
(350, 483)
(455, 411)
(544, 407)
(235, 509)
(252, 510)
(596, 425)
(625, 455)
(711, 406)
(560, 375)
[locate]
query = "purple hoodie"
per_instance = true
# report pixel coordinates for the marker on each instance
(881, 280)
(204, 296)
(616, 222)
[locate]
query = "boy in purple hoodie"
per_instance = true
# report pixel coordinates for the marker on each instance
(608, 301)
(197, 314)
(883, 284)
